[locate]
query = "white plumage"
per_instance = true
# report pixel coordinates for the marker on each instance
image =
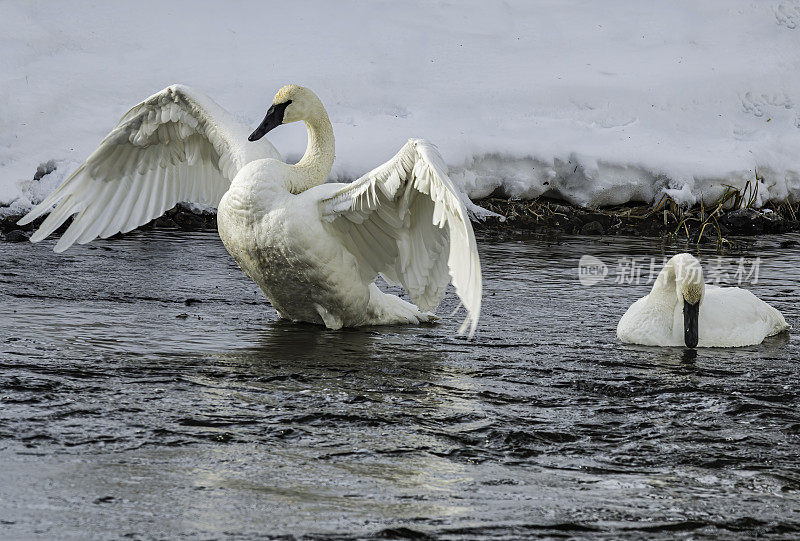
(314, 249)
(177, 145)
(393, 207)
(727, 316)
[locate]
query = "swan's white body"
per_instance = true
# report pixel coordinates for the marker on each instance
(314, 249)
(728, 317)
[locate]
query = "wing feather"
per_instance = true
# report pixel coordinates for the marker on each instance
(407, 221)
(177, 145)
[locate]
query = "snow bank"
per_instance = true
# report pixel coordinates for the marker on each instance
(594, 102)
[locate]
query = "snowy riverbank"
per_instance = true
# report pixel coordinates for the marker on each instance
(542, 215)
(593, 103)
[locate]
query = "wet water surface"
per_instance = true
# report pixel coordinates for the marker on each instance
(147, 389)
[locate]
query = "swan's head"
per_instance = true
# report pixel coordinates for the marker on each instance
(291, 104)
(690, 289)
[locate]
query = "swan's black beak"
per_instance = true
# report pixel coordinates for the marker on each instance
(691, 313)
(273, 119)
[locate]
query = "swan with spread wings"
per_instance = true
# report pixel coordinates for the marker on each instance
(315, 249)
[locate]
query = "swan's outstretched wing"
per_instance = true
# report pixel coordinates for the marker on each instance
(406, 221)
(177, 145)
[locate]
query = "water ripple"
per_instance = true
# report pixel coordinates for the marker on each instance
(155, 382)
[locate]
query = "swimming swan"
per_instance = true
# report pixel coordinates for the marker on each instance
(314, 249)
(681, 309)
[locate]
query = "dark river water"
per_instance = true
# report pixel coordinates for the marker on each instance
(148, 390)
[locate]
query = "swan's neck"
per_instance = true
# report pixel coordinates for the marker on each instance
(665, 286)
(315, 166)
(678, 278)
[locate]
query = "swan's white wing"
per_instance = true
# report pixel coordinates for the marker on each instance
(730, 316)
(407, 221)
(177, 145)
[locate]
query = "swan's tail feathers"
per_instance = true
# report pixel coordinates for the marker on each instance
(779, 323)
(387, 309)
(330, 320)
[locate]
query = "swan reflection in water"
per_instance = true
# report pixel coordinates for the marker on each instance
(311, 390)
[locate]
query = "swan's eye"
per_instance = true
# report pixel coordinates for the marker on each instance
(278, 110)
(273, 119)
